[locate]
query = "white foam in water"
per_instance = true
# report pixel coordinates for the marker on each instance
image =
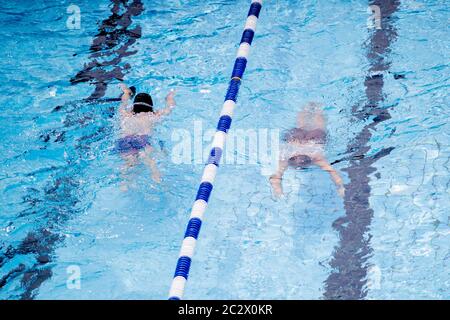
(374, 276)
(53, 92)
(398, 188)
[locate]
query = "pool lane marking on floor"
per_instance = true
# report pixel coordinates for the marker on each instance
(206, 185)
(109, 48)
(42, 241)
(353, 250)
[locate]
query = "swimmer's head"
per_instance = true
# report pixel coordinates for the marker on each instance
(142, 103)
(300, 161)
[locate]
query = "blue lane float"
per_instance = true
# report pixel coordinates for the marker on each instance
(209, 173)
(224, 124)
(233, 89)
(239, 68)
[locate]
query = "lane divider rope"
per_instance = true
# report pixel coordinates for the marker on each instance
(209, 173)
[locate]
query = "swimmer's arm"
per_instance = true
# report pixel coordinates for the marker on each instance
(276, 178)
(170, 104)
(324, 165)
(125, 99)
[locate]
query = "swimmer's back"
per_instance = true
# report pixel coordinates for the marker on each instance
(139, 124)
(300, 135)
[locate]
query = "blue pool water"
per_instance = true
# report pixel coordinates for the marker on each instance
(385, 94)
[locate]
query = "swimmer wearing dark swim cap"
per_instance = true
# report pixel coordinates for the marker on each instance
(136, 127)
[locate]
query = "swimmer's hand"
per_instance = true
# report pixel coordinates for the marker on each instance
(170, 104)
(170, 98)
(127, 93)
(275, 182)
(125, 89)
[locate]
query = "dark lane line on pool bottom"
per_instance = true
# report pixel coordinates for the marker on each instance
(349, 262)
(96, 72)
(113, 40)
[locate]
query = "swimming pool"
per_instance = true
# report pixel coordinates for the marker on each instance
(68, 231)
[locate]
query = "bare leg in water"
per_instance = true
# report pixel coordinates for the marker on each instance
(146, 156)
(130, 161)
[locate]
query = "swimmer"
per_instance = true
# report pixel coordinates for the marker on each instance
(136, 126)
(304, 146)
